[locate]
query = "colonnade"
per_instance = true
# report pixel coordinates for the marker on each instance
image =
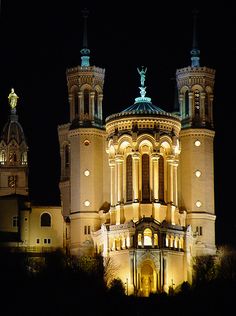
(81, 105)
(191, 104)
(118, 179)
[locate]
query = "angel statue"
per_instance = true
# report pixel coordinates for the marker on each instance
(142, 73)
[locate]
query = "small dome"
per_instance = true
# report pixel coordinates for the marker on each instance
(143, 106)
(13, 130)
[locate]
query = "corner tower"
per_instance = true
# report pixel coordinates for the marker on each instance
(195, 87)
(13, 154)
(83, 155)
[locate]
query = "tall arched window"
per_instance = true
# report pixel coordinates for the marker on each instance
(129, 184)
(67, 157)
(186, 103)
(147, 237)
(86, 101)
(161, 178)
(76, 103)
(145, 178)
(45, 220)
(2, 157)
(24, 158)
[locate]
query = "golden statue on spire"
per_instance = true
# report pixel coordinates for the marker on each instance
(12, 98)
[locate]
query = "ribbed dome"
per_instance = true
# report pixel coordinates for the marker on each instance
(143, 107)
(13, 130)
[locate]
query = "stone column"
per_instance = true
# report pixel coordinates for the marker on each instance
(165, 274)
(119, 165)
(169, 180)
(202, 106)
(175, 183)
(112, 182)
(112, 190)
(91, 105)
(191, 111)
(72, 110)
(210, 112)
(81, 106)
(100, 98)
(182, 110)
(170, 190)
(136, 159)
(155, 176)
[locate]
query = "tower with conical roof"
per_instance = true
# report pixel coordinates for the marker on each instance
(195, 89)
(82, 148)
(13, 154)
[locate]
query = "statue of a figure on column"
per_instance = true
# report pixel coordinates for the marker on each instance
(142, 73)
(12, 97)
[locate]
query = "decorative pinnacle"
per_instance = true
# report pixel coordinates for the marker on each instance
(85, 51)
(142, 73)
(195, 52)
(12, 98)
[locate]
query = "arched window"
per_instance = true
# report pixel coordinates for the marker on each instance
(161, 178)
(186, 103)
(45, 220)
(129, 184)
(24, 158)
(2, 157)
(147, 237)
(86, 101)
(76, 102)
(145, 178)
(67, 157)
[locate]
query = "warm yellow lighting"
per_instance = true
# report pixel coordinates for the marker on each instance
(197, 143)
(198, 203)
(86, 203)
(147, 237)
(86, 142)
(198, 173)
(86, 173)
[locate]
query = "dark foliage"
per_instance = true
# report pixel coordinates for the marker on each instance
(60, 285)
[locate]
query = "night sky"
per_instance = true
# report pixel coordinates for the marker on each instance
(39, 40)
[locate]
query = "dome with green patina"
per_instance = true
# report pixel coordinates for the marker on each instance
(141, 107)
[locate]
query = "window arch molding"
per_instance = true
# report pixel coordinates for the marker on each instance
(146, 140)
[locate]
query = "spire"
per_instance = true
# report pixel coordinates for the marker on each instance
(85, 51)
(195, 52)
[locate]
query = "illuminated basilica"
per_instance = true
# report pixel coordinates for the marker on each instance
(138, 189)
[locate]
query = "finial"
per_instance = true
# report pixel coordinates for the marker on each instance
(85, 51)
(195, 52)
(12, 98)
(142, 73)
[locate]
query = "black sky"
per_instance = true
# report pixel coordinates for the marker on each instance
(39, 40)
